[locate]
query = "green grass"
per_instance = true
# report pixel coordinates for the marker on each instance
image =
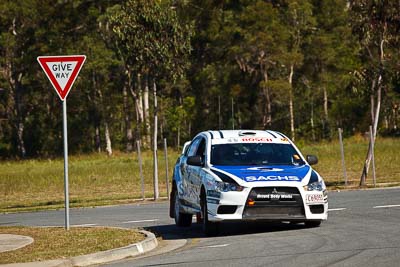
(94, 179)
(387, 157)
(97, 179)
(55, 243)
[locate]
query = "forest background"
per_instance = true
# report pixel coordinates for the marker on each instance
(303, 67)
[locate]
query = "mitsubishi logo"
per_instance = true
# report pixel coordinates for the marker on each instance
(274, 191)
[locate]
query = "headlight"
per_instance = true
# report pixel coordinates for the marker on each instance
(227, 184)
(315, 184)
(226, 187)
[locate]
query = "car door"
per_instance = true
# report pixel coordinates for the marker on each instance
(198, 172)
(187, 171)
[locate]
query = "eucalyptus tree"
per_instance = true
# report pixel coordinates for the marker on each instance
(300, 22)
(329, 58)
(258, 48)
(377, 24)
(152, 41)
(18, 22)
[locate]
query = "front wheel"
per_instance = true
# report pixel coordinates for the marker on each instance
(209, 228)
(181, 219)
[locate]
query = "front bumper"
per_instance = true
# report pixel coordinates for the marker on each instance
(275, 203)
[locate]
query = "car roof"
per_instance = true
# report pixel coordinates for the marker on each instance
(224, 134)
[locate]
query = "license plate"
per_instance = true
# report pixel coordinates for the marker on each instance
(314, 198)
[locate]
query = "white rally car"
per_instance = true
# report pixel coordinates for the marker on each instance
(235, 175)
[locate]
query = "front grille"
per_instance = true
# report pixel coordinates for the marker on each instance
(274, 203)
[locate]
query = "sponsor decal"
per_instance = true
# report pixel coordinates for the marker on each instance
(274, 196)
(272, 178)
(256, 139)
(264, 169)
(266, 173)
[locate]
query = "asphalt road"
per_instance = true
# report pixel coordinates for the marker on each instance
(363, 229)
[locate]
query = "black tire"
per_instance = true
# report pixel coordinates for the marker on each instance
(209, 228)
(312, 224)
(181, 219)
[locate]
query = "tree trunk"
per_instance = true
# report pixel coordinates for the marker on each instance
(137, 99)
(97, 138)
(127, 117)
(312, 117)
(156, 192)
(267, 120)
(291, 102)
(108, 139)
(368, 159)
(139, 103)
(178, 137)
(16, 91)
(147, 126)
(326, 114)
(327, 133)
(106, 128)
(375, 119)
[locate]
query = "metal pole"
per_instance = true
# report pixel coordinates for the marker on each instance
(155, 163)
(342, 153)
(372, 140)
(140, 168)
(66, 193)
(166, 165)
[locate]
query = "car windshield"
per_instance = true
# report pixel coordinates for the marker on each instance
(254, 154)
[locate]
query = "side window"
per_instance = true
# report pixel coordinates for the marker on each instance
(202, 148)
(191, 151)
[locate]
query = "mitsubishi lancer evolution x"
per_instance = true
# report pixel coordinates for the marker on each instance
(240, 175)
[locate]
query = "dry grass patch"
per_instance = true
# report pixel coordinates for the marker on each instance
(56, 243)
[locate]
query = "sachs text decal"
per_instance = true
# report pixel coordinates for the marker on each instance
(271, 178)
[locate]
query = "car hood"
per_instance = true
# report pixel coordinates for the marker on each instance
(266, 173)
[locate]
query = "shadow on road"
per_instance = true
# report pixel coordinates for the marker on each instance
(172, 232)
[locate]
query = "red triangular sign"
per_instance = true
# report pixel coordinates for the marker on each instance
(62, 71)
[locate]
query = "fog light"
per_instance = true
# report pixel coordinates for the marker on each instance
(250, 202)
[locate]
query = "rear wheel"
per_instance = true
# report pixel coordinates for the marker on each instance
(181, 219)
(312, 223)
(209, 228)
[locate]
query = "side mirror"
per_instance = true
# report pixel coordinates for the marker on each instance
(311, 159)
(195, 161)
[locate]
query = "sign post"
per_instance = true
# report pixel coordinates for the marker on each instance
(62, 72)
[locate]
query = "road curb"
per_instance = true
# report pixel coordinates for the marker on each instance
(132, 250)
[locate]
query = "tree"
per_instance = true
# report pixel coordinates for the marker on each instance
(300, 23)
(18, 21)
(153, 42)
(377, 24)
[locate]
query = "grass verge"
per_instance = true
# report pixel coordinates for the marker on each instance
(57, 243)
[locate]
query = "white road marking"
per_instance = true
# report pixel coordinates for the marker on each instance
(216, 246)
(84, 225)
(338, 209)
(140, 221)
(386, 206)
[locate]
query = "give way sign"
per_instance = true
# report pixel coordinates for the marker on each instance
(62, 71)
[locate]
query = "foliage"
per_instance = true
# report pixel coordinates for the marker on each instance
(322, 57)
